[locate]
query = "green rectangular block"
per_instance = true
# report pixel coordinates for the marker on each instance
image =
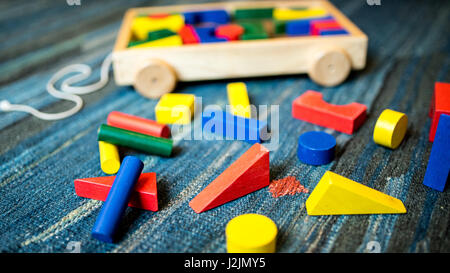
(262, 13)
(159, 34)
(253, 30)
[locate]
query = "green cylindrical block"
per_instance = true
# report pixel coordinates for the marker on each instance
(138, 141)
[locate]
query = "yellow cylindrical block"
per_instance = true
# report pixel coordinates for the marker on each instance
(390, 128)
(251, 233)
(109, 157)
(238, 99)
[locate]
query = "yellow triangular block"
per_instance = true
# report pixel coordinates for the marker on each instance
(336, 195)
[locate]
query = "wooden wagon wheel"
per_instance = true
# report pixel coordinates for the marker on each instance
(331, 67)
(155, 79)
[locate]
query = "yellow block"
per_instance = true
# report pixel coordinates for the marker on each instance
(390, 128)
(251, 233)
(175, 109)
(336, 195)
(285, 14)
(141, 26)
(174, 40)
(109, 157)
(238, 99)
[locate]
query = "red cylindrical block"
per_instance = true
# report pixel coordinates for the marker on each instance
(138, 124)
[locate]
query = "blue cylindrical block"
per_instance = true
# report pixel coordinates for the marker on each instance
(316, 148)
(117, 200)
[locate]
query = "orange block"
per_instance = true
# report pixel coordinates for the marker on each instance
(247, 174)
(231, 32)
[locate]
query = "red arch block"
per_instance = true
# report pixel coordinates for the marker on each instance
(311, 107)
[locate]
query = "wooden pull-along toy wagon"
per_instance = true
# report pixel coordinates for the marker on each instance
(264, 39)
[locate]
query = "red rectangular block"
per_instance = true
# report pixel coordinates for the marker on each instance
(317, 26)
(145, 194)
(188, 35)
(231, 32)
(440, 104)
(138, 124)
(311, 107)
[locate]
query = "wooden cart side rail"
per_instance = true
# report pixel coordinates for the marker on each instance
(124, 34)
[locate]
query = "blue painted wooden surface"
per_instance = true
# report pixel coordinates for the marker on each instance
(39, 212)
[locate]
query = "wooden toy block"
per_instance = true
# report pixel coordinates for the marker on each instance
(138, 124)
(218, 16)
(247, 174)
(390, 128)
(316, 148)
(159, 15)
(109, 157)
(175, 109)
(253, 30)
(152, 36)
(318, 25)
(118, 197)
(231, 32)
(238, 99)
(174, 40)
(251, 233)
(159, 34)
(311, 107)
(144, 196)
(438, 168)
(260, 13)
(141, 26)
(141, 142)
(326, 61)
(337, 31)
(188, 35)
(234, 127)
(207, 34)
(300, 27)
(292, 14)
(338, 195)
(440, 104)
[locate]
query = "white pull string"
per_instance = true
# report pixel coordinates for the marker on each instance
(67, 91)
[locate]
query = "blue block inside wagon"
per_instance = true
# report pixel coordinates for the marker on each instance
(206, 34)
(233, 127)
(328, 32)
(218, 16)
(302, 27)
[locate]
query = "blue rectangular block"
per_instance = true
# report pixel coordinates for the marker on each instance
(302, 27)
(117, 201)
(218, 16)
(206, 34)
(437, 173)
(191, 17)
(233, 127)
(332, 32)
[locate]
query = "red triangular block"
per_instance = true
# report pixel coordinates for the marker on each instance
(247, 174)
(145, 195)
